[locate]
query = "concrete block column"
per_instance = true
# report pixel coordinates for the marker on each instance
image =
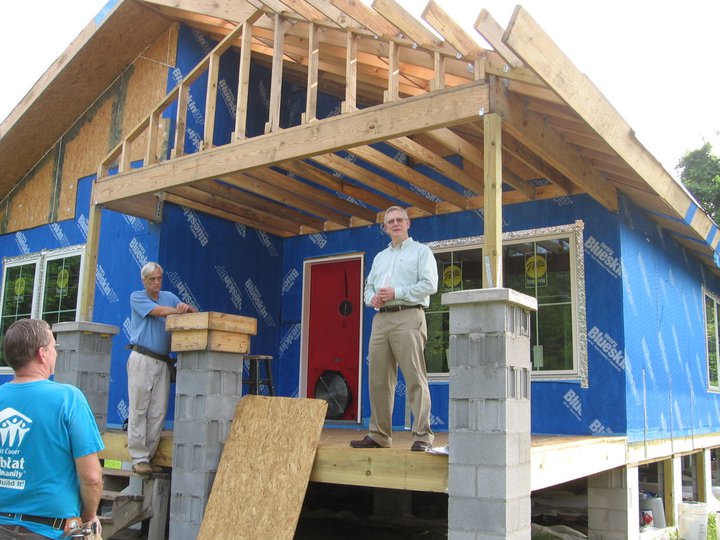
(208, 387)
(613, 504)
(84, 350)
(489, 438)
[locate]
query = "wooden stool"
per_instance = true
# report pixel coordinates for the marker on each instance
(255, 381)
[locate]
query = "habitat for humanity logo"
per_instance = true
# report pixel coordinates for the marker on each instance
(608, 347)
(604, 255)
(13, 427)
(573, 403)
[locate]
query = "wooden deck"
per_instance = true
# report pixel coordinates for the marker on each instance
(554, 459)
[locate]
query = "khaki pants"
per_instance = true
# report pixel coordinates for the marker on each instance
(398, 340)
(148, 391)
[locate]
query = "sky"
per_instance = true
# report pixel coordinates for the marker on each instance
(655, 61)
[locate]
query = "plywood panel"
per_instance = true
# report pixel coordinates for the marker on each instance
(264, 469)
(30, 205)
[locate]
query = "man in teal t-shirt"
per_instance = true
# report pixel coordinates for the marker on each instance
(49, 467)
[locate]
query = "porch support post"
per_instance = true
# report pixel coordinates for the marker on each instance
(83, 360)
(89, 271)
(613, 504)
(492, 200)
(489, 439)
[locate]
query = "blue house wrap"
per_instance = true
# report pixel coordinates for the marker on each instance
(644, 294)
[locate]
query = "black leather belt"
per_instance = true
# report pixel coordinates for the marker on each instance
(148, 352)
(399, 307)
(55, 523)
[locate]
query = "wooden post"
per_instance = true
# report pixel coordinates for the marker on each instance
(87, 282)
(492, 196)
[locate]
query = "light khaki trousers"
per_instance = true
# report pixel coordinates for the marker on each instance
(148, 392)
(398, 340)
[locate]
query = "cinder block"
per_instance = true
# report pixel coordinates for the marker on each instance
(462, 481)
(484, 515)
(192, 483)
(459, 413)
(461, 535)
(192, 382)
(221, 407)
(222, 361)
(199, 432)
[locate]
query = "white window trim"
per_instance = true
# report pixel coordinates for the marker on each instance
(40, 259)
(716, 301)
(577, 279)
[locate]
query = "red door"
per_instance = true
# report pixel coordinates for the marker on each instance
(333, 362)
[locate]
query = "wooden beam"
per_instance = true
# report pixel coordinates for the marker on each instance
(229, 10)
(89, 271)
(224, 214)
(368, 18)
(351, 72)
(453, 33)
(530, 128)
(492, 217)
(543, 56)
(492, 32)
(211, 100)
(337, 184)
(408, 25)
(431, 111)
(414, 177)
(379, 183)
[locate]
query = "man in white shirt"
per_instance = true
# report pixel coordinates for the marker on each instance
(402, 278)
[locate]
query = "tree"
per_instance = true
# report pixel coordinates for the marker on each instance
(700, 173)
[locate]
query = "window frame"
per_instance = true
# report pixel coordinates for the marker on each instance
(41, 260)
(574, 234)
(707, 295)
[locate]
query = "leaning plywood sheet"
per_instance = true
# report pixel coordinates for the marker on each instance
(264, 469)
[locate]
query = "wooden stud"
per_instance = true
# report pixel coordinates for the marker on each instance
(312, 76)
(273, 123)
(241, 111)
(211, 100)
(351, 64)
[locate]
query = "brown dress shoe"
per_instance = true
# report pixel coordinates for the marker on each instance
(366, 442)
(143, 467)
(420, 446)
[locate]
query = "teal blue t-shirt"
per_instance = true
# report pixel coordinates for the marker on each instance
(44, 426)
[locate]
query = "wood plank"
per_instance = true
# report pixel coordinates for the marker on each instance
(414, 177)
(265, 467)
(229, 10)
(492, 216)
(531, 129)
(351, 72)
(538, 51)
(375, 181)
(408, 25)
(492, 32)
(440, 109)
(310, 114)
(211, 100)
(368, 18)
(451, 31)
(209, 340)
(212, 320)
(92, 247)
(241, 110)
(273, 123)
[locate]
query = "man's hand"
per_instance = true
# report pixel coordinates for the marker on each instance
(386, 294)
(183, 308)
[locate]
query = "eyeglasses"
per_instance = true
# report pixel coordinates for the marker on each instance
(394, 220)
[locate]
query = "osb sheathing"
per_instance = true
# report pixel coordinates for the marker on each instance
(32, 204)
(45, 195)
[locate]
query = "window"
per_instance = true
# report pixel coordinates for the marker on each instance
(545, 264)
(43, 285)
(711, 340)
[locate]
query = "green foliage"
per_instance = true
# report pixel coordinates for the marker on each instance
(674, 535)
(700, 173)
(712, 532)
